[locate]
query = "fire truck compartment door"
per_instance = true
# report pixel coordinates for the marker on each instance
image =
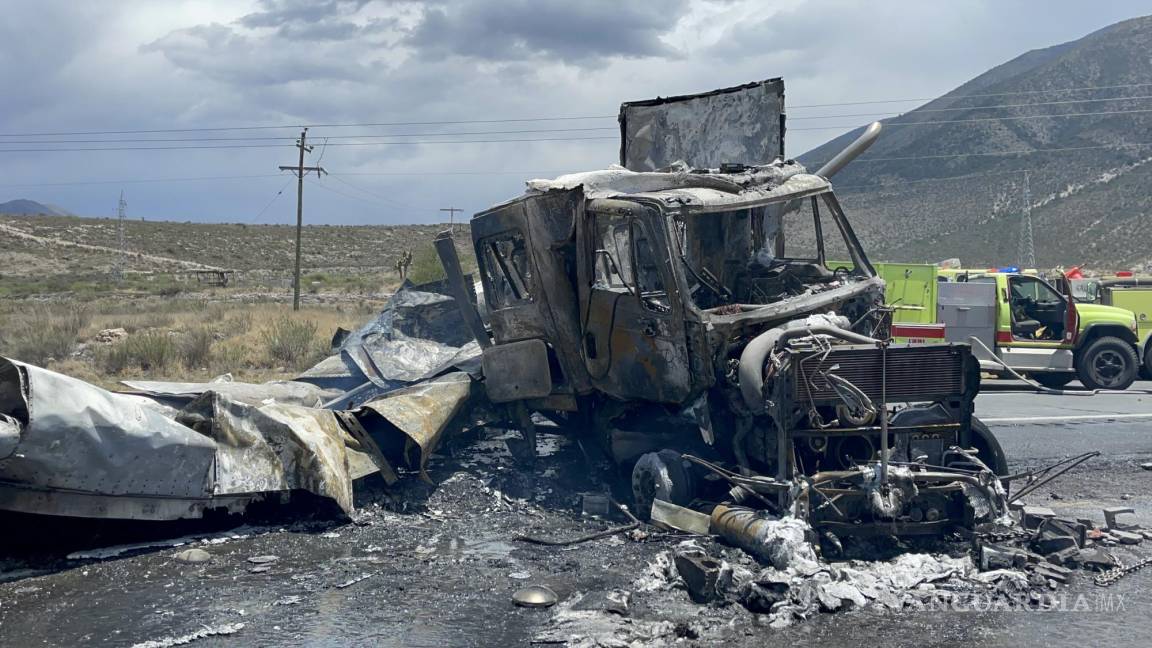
(968, 310)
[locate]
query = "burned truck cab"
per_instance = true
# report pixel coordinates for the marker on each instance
(731, 315)
(726, 323)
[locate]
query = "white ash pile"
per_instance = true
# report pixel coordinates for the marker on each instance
(790, 582)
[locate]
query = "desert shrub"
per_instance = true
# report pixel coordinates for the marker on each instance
(425, 265)
(290, 341)
(150, 351)
(237, 323)
(196, 347)
(41, 332)
(232, 356)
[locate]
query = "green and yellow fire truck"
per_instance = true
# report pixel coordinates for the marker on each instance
(1124, 290)
(1020, 322)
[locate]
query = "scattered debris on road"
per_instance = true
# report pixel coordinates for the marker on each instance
(215, 631)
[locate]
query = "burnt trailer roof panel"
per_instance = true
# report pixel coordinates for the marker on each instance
(742, 124)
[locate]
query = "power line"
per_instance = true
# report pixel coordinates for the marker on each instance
(986, 119)
(266, 146)
(993, 94)
(294, 126)
(435, 172)
(1000, 153)
(431, 172)
(526, 139)
(532, 139)
(336, 191)
(138, 181)
(391, 201)
(270, 202)
(1023, 105)
(894, 185)
(298, 125)
(289, 139)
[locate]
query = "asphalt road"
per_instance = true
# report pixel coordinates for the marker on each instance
(440, 568)
(1033, 426)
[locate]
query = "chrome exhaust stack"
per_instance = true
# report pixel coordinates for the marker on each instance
(852, 151)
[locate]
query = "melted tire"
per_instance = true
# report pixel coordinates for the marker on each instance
(989, 448)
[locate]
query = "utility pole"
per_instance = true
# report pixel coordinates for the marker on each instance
(300, 170)
(121, 215)
(451, 216)
(1027, 250)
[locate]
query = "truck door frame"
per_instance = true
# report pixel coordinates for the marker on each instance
(632, 350)
(1023, 354)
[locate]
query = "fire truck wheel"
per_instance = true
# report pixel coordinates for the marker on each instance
(660, 475)
(1146, 370)
(1107, 363)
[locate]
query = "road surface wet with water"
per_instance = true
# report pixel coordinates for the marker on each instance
(436, 565)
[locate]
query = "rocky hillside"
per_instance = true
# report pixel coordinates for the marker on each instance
(1091, 200)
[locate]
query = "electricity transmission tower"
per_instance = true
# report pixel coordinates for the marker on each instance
(121, 216)
(1027, 249)
(300, 171)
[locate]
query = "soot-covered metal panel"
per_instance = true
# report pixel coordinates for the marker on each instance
(743, 124)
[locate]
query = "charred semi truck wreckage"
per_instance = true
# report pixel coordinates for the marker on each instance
(717, 326)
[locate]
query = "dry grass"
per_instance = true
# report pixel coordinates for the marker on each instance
(183, 340)
(196, 347)
(147, 351)
(43, 332)
(291, 342)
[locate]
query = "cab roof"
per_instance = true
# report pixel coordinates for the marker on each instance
(683, 189)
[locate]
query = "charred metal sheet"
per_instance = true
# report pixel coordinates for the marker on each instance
(9, 435)
(277, 448)
(704, 200)
(182, 393)
(517, 371)
(416, 336)
(86, 452)
(421, 413)
(77, 437)
(615, 181)
(414, 314)
(368, 445)
(742, 124)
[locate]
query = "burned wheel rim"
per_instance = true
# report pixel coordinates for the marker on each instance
(660, 475)
(1108, 367)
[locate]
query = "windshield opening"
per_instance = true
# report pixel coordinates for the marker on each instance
(767, 254)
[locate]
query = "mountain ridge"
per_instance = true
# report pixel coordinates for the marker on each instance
(921, 195)
(28, 207)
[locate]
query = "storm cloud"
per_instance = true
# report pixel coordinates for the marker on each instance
(195, 64)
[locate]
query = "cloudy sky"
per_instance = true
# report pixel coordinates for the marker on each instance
(76, 67)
